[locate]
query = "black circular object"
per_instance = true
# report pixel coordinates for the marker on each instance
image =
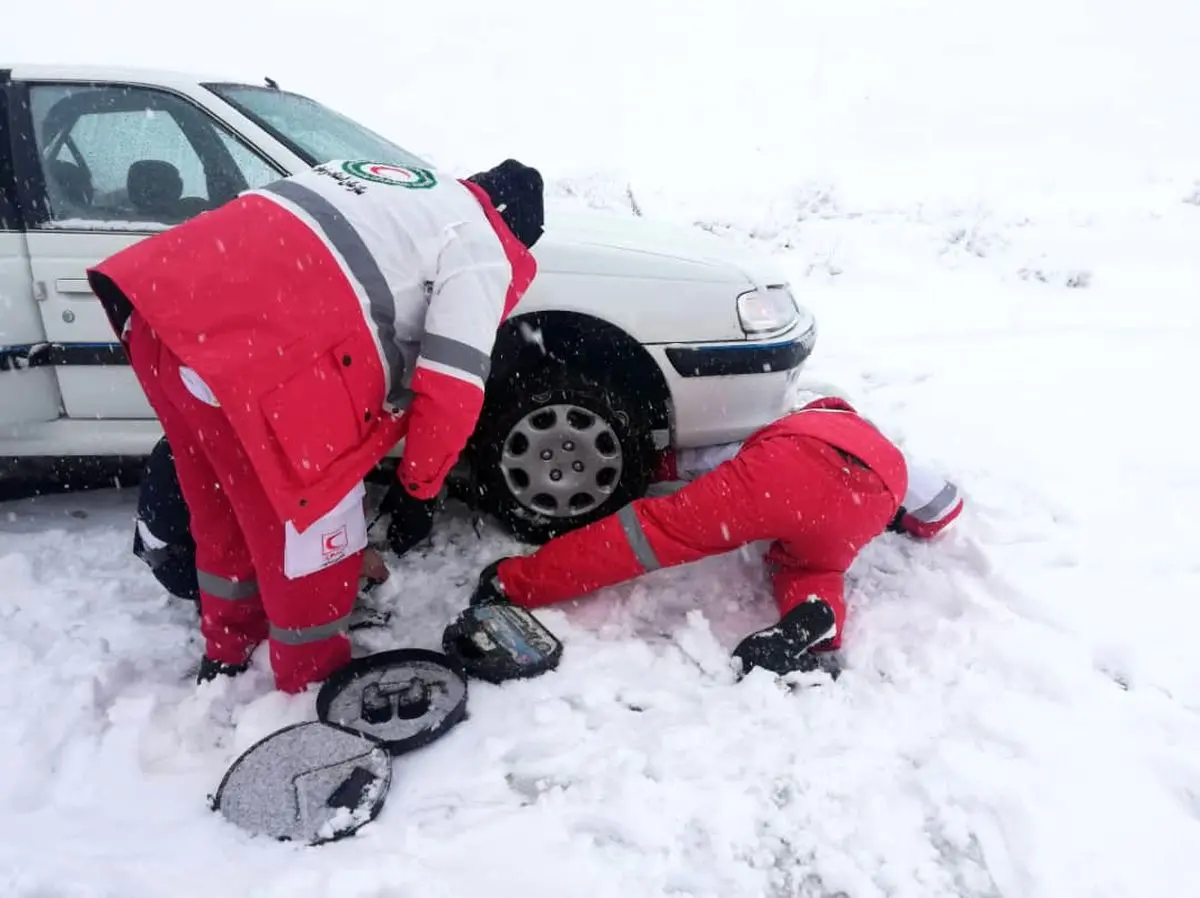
(405, 698)
(308, 783)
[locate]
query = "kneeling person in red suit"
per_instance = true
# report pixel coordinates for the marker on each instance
(287, 340)
(819, 483)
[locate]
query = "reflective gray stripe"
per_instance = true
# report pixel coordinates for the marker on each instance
(642, 550)
(302, 635)
(937, 506)
(340, 233)
(224, 588)
(456, 354)
(400, 396)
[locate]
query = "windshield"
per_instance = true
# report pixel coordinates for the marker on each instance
(314, 132)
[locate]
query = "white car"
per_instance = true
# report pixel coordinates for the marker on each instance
(634, 335)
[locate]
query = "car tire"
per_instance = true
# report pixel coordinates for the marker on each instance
(556, 450)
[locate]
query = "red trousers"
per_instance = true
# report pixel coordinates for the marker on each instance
(819, 509)
(245, 596)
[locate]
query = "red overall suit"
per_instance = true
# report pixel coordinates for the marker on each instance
(820, 483)
(287, 341)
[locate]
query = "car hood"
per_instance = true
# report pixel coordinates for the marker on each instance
(579, 241)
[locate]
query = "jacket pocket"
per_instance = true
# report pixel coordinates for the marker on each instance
(315, 416)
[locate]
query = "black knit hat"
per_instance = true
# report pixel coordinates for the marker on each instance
(516, 192)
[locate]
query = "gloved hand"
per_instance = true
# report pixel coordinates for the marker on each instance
(210, 669)
(412, 519)
(489, 590)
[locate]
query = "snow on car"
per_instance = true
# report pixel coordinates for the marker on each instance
(634, 335)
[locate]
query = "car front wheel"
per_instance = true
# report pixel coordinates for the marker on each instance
(555, 451)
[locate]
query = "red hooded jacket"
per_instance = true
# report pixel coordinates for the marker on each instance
(332, 314)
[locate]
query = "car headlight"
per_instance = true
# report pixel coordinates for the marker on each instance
(767, 311)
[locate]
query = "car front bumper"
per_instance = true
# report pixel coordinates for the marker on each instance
(723, 392)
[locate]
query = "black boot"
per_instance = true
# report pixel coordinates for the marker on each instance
(786, 646)
(210, 669)
(489, 590)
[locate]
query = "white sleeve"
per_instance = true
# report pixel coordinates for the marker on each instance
(931, 502)
(691, 463)
(466, 303)
(465, 307)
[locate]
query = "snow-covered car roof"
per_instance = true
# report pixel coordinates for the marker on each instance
(74, 72)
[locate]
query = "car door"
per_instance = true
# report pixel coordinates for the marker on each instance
(28, 391)
(106, 165)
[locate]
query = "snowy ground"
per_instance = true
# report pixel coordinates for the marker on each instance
(994, 213)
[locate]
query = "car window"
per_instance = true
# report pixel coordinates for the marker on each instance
(118, 157)
(314, 132)
(255, 169)
(111, 143)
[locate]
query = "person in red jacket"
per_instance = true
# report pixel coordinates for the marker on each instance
(287, 340)
(819, 483)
